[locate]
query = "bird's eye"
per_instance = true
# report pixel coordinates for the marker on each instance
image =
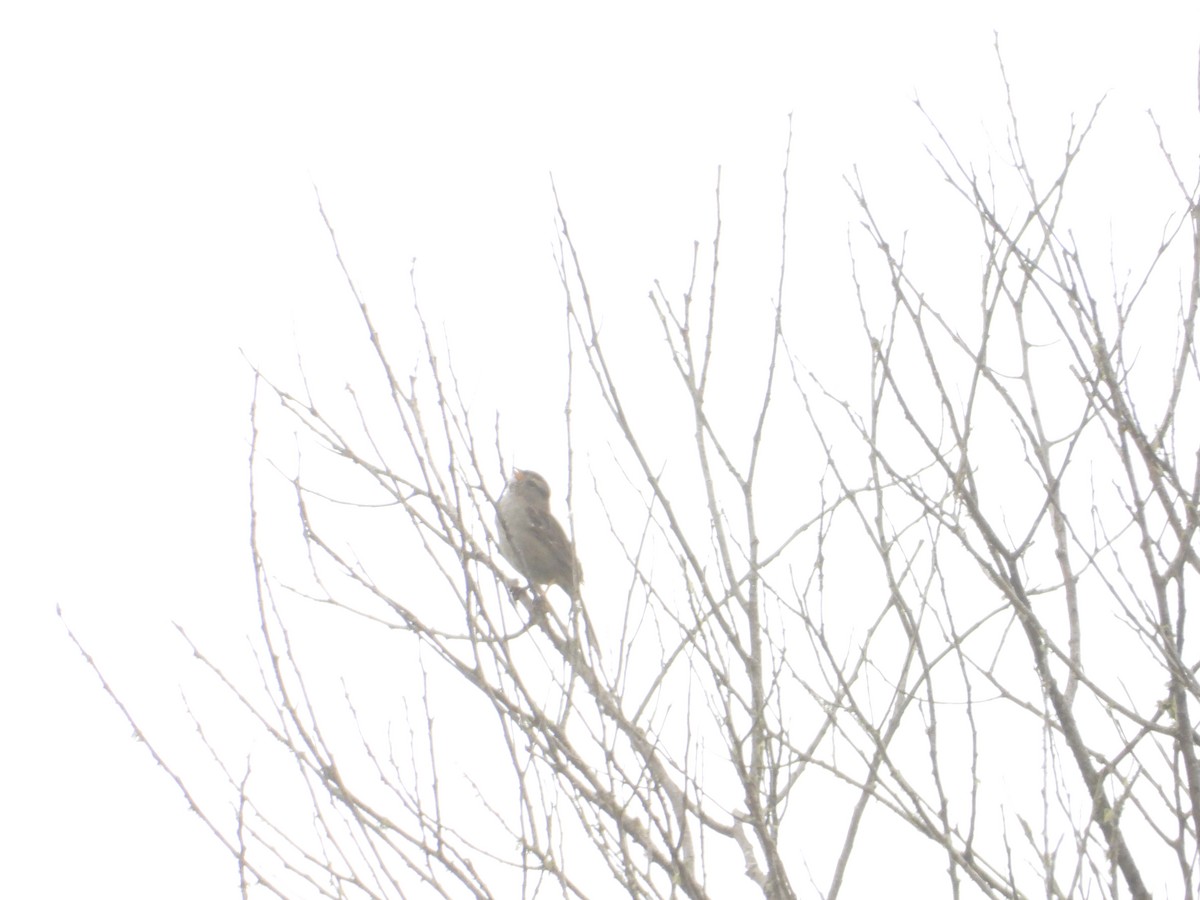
(537, 482)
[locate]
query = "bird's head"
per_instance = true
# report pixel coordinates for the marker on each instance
(530, 484)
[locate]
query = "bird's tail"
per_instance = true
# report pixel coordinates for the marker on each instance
(593, 638)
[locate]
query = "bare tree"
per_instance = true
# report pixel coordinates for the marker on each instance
(946, 622)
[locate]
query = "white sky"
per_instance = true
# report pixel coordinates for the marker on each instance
(157, 216)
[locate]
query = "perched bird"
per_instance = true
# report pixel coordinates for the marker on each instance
(533, 541)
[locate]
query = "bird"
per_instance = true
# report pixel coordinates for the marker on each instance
(533, 541)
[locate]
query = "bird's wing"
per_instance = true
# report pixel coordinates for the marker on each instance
(552, 536)
(549, 532)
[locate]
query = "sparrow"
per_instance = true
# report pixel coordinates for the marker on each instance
(533, 541)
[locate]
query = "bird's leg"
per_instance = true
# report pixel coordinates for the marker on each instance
(539, 605)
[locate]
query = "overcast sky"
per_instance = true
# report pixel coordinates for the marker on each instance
(158, 220)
